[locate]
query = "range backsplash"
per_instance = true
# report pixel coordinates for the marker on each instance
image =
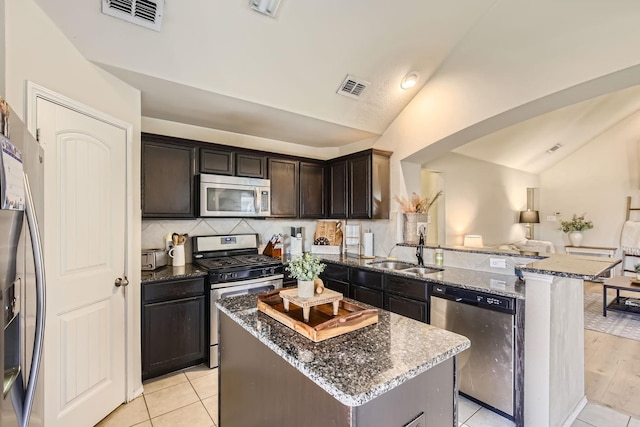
(386, 232)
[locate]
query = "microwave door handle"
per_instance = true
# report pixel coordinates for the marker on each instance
(257, 202)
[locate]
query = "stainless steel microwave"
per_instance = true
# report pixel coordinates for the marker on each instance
(232, 196)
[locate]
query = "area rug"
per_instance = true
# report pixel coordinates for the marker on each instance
(616, 323)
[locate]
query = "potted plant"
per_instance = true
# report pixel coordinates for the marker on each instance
(575, 227)
(415, 210)
(306, 268)
(636, 268)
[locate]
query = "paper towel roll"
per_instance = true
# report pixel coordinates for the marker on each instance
(368, 243)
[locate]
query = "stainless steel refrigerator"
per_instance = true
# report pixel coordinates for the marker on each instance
(22, 282)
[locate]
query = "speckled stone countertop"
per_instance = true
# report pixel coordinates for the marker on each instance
(358, 366)
(172, 273)
(496, 284)
(574, 266)
(488, 251)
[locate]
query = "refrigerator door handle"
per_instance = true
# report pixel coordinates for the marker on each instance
(40, 303)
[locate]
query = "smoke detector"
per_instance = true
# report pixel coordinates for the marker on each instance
(353, 87)
(146, 13)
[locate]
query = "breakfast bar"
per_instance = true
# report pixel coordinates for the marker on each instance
(272, 375)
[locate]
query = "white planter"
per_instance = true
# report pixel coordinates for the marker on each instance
(305, 288)
(575, 237)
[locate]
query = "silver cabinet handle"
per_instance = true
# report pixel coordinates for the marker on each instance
(121, 282)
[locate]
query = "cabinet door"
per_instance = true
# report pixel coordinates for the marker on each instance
(312, 190)
(219, 162)
(284, 188)
(360, 187)
(167, 180)
(173, 335)
(337, 191)
(251, 165)
(417, 310)
(367, 295)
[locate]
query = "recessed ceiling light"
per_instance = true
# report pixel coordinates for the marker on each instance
(410, 80)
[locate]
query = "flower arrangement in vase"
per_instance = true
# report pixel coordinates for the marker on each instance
(636, 268)
(415, 210)
(575, 227)
(306, 268)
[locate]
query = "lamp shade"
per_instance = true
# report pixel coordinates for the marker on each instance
(529, 217)
(473, 241)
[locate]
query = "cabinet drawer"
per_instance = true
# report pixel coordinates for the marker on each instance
(336, 272)
(338, 286)
(367, 278)
(174, 289)
(367, 296)
(408, 287)
(417, 310)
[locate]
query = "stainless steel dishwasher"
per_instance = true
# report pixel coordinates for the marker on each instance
(486, 369)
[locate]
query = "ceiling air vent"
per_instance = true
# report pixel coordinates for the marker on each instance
(147, 13)
(353, 87)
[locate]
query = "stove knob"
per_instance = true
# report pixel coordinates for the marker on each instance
(272, 270)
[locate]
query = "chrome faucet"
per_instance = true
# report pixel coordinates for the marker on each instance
(420, 248)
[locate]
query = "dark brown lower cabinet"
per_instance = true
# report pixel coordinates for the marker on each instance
(337, 285)
(417, 310)
(369, 296)
(174, 326)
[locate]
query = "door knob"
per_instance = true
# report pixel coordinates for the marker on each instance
(121, 282)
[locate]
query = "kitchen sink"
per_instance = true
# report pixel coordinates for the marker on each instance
(422, 270)
(392, 265)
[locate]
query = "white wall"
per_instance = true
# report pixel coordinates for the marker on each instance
(482, 198)
(37, 51)
(197, 133)
(594, 180)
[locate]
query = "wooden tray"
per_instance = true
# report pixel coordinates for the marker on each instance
(322, 323)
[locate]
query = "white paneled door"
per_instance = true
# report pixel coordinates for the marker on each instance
(84, 241)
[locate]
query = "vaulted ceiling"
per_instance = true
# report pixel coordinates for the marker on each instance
(221, 65)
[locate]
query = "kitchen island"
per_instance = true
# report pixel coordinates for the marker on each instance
(389, 373)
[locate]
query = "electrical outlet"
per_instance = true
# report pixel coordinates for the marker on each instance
(497, 262)
(551, 218)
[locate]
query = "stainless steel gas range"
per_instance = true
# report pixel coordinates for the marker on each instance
(235, 268)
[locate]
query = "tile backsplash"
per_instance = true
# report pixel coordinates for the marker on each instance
(386, 232)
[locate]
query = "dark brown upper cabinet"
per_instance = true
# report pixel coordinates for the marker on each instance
(251, 165)
(168, 171)
(338, 189)
(283, 174)
(359, 185)
(312, 190)
(219, 162)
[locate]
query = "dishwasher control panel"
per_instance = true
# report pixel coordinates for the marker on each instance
(472, 297)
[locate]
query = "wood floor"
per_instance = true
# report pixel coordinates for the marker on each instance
(612, 368)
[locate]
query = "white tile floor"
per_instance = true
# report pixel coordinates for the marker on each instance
(471, 414)
(189, 398)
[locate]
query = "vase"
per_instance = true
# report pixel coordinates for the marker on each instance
(412, 224)
(575, 237)
(305, 288)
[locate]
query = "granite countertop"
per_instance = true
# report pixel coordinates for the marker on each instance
(493, 283)
(169, 272)
(574, 266)
(358, 366)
